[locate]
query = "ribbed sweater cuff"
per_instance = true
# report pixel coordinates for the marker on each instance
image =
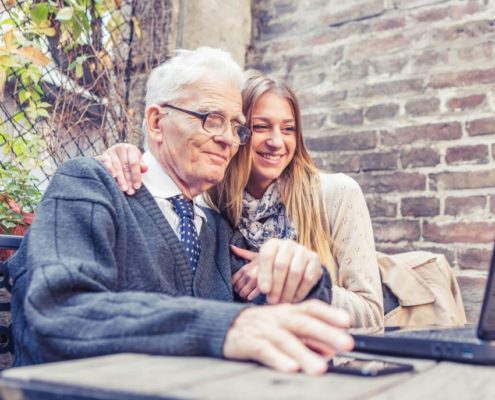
(215, 325)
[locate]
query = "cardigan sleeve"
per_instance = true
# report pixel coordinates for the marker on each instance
(358, 286)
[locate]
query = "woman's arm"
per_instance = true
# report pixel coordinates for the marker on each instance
(358, 286)
(124, 162)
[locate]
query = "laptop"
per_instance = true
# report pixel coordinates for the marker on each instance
(470, 344)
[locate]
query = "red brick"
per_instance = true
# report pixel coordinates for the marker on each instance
(346, 141)
(422, 157)
(394, 248)
(430, 57)
(338, 162)
(389, 23)
(422, 106)
(396, 230)
(472, 289)
(379, 161)
(347, 70)
(457, 12)
(465, 78)
(313, 121)
(474, 154)
(353, 12)
(430, 132)
(384, 45)
(448, 252)
(482, 51)
(380, 207)
(462, 154)
(391, 65)
(462, 180)
(467, 102)
(381, 111)
(432, 15)
(466, 30)
(391, 182)
(463, 232)
(474, 258)
(329, 98)
(420, 206)
(348, 117)
(482, 126)
(464, 205)
(389, 88)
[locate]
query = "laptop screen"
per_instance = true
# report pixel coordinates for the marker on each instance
(486, 326)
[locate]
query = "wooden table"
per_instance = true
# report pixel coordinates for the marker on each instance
(135, 376)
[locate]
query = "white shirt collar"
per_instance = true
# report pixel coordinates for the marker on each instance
(160, 184)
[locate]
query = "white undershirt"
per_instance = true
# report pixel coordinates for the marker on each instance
(162, 187)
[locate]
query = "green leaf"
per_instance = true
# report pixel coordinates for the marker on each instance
(39, 13)
(65, 14)
(18, 148)
(7, 21)
(79, 70)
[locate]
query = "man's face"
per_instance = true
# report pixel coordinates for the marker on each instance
(193, 159)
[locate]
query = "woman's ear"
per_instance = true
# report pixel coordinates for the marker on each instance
(152, 118)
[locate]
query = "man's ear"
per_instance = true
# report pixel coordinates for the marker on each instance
(152, 118)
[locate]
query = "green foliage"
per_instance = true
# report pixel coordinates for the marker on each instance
(18, 185)
(74, 36)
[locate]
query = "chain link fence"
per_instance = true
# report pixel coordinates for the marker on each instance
(65, 79)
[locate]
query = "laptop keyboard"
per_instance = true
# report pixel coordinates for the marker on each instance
(451, 334)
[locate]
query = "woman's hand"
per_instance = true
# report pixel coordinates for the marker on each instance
(123, 161)
(284, 270)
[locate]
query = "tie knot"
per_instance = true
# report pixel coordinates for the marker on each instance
(182, 206)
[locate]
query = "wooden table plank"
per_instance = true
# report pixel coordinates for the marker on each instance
(447, 381)
(129, 373)
(189, 377)
(262, 383)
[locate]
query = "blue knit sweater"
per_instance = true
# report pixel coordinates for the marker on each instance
(100, 272)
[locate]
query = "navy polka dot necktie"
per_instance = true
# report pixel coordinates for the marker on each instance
(188, 235)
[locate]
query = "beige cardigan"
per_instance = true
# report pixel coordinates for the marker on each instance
(355, 273)
(426, 288)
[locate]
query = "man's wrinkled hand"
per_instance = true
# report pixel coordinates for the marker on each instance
(289, 337)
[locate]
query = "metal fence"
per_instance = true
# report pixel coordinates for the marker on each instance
(65, 78)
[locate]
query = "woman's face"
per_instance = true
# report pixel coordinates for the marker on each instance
(273, 141)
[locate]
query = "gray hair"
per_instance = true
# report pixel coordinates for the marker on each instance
(188, 66)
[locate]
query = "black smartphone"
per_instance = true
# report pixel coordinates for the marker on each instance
(366, 366)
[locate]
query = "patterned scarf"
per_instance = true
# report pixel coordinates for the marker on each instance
(265, 218)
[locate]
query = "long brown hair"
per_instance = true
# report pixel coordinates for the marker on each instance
(299, 183)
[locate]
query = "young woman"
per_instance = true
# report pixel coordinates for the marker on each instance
(272, 189)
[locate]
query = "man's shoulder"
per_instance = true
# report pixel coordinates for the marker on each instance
(83, 167)
(81, 178)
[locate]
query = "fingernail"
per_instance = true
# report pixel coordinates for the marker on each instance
(137, 186)
(345, 342)
(318, 368)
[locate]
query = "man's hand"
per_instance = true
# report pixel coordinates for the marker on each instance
(286, 272)
(123, 162)
(289, 337)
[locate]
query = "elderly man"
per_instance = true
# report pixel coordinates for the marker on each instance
(100, 272)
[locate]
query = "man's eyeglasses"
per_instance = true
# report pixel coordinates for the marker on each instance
(217, 125)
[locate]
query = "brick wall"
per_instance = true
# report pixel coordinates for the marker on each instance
(400, 95)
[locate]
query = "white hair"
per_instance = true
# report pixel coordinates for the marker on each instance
(188, 66)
